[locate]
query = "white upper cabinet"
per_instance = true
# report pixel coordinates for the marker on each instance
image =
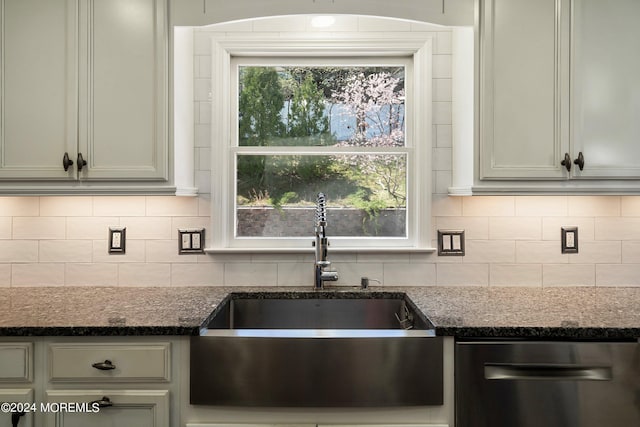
(123, 89)
(606, 87)
(558, 96)
(37, 88)
(523, 86)
(84, 81)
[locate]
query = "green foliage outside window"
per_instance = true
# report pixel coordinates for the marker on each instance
(295, 106)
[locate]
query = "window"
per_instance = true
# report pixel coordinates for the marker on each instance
(293, 119)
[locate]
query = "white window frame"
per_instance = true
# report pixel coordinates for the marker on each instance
(384, 49)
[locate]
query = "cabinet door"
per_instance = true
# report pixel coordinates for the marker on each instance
(18, 396)
(38, 66)
(606, 89)
(16, 362)
(123, 90)
(523, 88)
(129, 408)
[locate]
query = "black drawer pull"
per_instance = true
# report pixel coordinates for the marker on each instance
(105, 402)
(104, 366)
(15, 418)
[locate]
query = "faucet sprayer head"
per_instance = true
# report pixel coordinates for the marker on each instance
(321, 209)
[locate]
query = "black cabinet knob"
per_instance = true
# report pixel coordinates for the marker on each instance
(579, 161)
(81, 162)
(66, 161)
(566, 162)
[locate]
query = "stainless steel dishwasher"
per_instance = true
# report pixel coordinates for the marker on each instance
(547, 384)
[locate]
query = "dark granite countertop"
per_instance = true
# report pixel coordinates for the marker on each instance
(474, 312)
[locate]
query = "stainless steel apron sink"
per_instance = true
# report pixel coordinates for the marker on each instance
(317, 349)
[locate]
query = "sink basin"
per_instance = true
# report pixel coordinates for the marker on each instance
(316, 349)
(391, 313)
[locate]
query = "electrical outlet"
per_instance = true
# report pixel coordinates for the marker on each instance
(450, 242)
(117, 240)
(191, 241)
(569, 240)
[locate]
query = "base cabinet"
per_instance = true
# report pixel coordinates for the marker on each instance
(19, 397)
(16, 382)
(123, 383)
(106, 408)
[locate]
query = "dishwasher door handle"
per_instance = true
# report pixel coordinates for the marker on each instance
(550, 372)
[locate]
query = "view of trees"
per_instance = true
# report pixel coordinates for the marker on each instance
(352, 107)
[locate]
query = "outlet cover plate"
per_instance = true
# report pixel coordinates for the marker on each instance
(569, 240)
(450, 242)
(117, 240)
(191, 241)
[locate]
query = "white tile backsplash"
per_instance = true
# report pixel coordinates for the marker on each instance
(65, 251)
(630, 206)
(90, 228)
(18, 251)
(148, 274)
(66, 206)
(167, 251)
(601, 206)
(591, 252)
(475, 228)
(407, 274)
(551, 227)
(568, 275)
(252, 274)
(631, 252)
(545, 206)
(540, 252)
(617, 274)
(490, 251)
(172, 206)
(38, 227)
(135, 252)
(294, 274)
(37, 274)
(515, 228)
(5, 227)
(617, 228)
(147, 227)
(207, 274)
(119, 206)
(19, 206)
(515, 275)
(488, 206)
(441, 66)
(5, 275)
(462, 274)
(443, 136)
(507, 245)
(90, 274)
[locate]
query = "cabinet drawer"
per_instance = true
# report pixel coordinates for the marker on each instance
(15, 362)
(109, 362)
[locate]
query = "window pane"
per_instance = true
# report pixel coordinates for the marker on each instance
(321, 106)
(366, 194)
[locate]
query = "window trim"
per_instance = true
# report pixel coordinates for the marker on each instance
(381, 45)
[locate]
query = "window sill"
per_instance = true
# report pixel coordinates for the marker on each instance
(362, 250)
